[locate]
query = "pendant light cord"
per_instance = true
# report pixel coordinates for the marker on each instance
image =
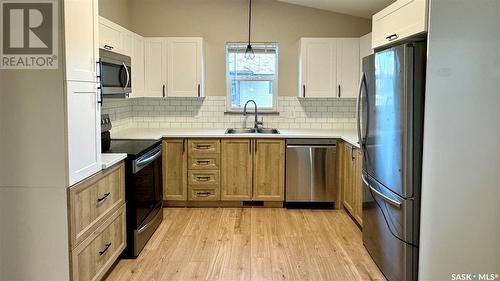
(249, 53)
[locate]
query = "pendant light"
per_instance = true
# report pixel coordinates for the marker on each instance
(249, 53)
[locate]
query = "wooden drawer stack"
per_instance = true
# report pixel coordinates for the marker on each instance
(203, 169)
(97, 223)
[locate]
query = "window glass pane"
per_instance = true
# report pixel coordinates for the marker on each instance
(252, 78)
(259, 91)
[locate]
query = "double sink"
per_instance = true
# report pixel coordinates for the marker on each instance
(252, 131)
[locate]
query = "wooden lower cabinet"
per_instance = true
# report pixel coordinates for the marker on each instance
(97, 223)
(93, 257)
(174, 170)
(269, 170)
(352, 187)
(236, 169)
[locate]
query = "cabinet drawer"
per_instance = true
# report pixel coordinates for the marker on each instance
(201, 146)
(204, 162)
(95, 255)
(94, 199)
(203, 178)
(204, 194)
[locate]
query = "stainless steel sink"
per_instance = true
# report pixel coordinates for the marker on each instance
(251, 131)
(267, 131)
(240, 131)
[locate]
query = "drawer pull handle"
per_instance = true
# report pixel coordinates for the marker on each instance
(99, 200)
(203, 194)
(105, 249)
(202, 178)
(203, 162)
(203, 146)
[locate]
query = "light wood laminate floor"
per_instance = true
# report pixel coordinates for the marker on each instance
(259, 244)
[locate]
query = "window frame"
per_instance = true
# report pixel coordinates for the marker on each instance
(229, 81)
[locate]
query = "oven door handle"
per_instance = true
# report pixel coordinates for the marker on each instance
(139, 164)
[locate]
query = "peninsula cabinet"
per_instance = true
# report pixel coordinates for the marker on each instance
(350, 180)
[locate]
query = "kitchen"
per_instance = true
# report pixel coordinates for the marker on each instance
(253, 140)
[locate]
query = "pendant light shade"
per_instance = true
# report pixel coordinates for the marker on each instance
(249, 53)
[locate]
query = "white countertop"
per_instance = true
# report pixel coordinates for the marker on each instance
(349, 136)
(109, 159)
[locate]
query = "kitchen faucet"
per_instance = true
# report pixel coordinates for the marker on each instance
(256, 123)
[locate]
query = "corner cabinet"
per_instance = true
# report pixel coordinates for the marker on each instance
(174, 67)
(398, 21)
(328, 67)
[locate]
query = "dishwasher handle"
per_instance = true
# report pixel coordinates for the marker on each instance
(311, 146)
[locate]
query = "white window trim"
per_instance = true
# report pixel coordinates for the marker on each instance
(229, 108)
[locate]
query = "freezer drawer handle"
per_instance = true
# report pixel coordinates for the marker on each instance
(379, 194)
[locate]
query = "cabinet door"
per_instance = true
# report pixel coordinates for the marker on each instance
(110, 35)
(348, 67)
(318, 67)
(184, 67)
(269, 170)
(84, 130)
(155, 51)
(358, 187)
(348, 195)
(138, 87)
(81, 36)
(128, 39)
(174, 170)
(365, 49)
(398, 21)
(236, 169)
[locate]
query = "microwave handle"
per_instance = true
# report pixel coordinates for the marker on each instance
(128, 76)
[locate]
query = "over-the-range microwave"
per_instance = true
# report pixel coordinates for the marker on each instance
(115, 74)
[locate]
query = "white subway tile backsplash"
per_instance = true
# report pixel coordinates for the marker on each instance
(294, 113)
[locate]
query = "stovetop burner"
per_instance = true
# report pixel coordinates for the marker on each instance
(134, 148)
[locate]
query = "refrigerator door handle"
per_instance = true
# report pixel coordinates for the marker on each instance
(391, 201)
(358, 107)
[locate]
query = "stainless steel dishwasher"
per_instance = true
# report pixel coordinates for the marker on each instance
(310, 170)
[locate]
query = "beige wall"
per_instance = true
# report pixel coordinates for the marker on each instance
(116, 11)
(221, 21)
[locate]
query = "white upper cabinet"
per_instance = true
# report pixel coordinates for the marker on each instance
(400, 20)
(184, 67)
(138, 86)
(318, 67)
(115, 38)
(81, 35)
(329, 67)
(155, 64)
(348, 67)
(174, 67)
(365, 49)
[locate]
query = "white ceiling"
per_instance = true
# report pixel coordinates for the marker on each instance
(360, 8)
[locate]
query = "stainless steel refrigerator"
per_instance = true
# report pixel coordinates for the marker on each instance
(390, 128)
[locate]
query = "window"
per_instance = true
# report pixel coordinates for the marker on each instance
(252, 79)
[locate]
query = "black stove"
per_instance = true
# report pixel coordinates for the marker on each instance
(133, 148)
(143, 186)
